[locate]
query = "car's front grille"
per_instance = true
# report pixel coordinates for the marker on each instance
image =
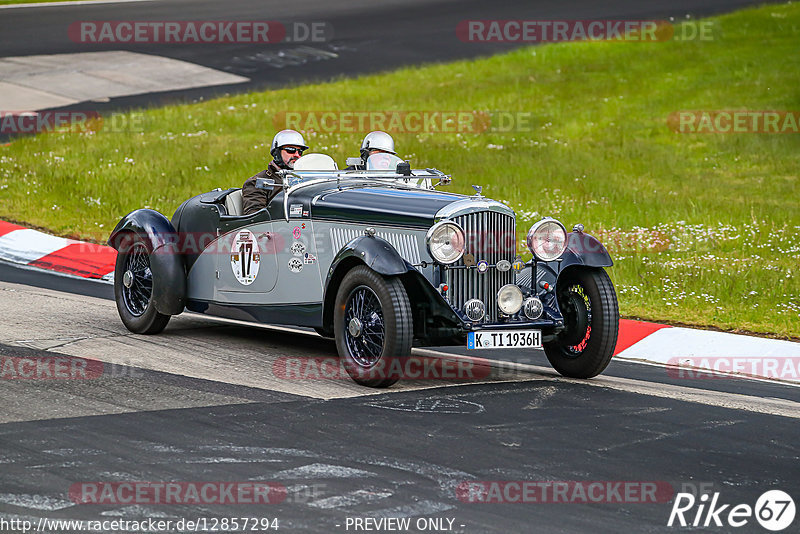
(490, 236)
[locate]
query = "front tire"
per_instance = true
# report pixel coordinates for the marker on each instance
(588, 303)
(373, 327)
(133, 288)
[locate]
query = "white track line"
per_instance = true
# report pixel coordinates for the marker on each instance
(727, 400)
(771, 406)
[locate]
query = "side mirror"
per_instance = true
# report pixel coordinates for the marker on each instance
(352, 162)
(267, 184)
(404, 168)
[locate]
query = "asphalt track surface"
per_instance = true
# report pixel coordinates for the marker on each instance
(201, 401)
(365, 37)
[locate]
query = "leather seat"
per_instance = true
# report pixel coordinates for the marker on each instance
(233, 203)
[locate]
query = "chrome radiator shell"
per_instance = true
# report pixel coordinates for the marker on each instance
(491, 237)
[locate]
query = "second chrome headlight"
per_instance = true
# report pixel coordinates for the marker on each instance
(445, 241)
(547, 239)
(509, 299)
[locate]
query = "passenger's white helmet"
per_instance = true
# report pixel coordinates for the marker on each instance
(283, 138)
(377, 140)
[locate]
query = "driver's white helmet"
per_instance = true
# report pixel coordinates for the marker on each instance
(283, 138)
(377, 140)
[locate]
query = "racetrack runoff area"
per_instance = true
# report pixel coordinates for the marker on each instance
(30, 83)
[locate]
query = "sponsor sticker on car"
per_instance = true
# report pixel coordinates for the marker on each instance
(505, 339)
(298, 248)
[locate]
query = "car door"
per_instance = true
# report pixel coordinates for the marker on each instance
(247, 267)
(299, 276)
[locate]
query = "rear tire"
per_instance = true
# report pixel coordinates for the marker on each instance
(588, 303)
(133, 288)
(373, 327)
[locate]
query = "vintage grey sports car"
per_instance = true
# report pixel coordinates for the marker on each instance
(378, 259)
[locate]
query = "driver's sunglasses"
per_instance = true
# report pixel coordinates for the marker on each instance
(292, 150)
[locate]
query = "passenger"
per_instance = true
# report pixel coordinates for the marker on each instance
(287, 147)
(373, 143)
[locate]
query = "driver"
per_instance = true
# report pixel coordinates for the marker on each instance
(287, 147)
(373, 143)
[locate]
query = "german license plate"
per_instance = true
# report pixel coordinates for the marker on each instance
(505, 339)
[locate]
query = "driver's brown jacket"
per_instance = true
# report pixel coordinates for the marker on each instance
(255, 199)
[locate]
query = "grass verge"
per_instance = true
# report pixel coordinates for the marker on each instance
(703, 227)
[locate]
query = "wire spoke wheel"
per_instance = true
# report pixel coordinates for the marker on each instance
(578, 318)
(137, 280)
(588, 302)
(366, 333)
(133, 288)
(373, 326)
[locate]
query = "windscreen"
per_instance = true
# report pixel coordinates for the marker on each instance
(382, 161)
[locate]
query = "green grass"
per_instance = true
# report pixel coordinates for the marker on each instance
(716, 216)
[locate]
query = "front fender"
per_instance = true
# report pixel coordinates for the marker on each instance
(374, 252)
(582, 249)
(378, 254)
(166, 262)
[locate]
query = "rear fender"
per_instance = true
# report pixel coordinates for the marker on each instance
(166, 262)
(146, 223)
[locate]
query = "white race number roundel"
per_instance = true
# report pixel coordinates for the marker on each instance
(245, 257)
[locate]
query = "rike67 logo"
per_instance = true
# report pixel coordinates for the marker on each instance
(774, 510)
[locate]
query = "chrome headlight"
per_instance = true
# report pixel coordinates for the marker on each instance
(445, 241)
(533, 308)
(509, 299)
(547, 239)
(475, 310)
